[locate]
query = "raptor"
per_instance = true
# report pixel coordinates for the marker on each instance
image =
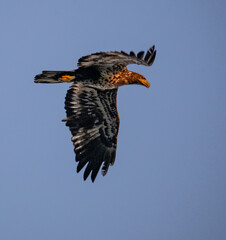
(91, 106)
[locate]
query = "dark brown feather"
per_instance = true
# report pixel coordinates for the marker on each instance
(93, 120)
(140, 54)
(132, 54)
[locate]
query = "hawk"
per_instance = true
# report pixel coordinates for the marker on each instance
(91, 107)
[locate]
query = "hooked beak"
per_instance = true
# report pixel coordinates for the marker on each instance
(144, 82)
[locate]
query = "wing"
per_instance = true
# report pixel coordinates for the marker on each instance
(119, 58)
(93, 120)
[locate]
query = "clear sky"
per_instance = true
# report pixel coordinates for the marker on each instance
(168, 181)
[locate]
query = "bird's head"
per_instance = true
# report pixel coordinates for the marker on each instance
(136, 78)
(127, 77)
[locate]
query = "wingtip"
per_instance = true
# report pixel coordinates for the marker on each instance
(85, 177)
(93, 179)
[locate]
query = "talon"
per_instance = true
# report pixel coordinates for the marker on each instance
(67, 78)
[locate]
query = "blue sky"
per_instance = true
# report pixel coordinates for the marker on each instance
(168, 181)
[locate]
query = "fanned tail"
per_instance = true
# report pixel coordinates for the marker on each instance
(55, 77)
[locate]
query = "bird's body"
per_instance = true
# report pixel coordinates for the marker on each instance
(91, 107)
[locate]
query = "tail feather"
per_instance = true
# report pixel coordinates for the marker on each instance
(55, 77)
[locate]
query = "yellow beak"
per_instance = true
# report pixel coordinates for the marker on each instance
(144, 82)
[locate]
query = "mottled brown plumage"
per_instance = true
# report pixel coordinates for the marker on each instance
(90, 104)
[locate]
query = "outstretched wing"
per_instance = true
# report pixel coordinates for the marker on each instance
(94, 123)
(120, 58)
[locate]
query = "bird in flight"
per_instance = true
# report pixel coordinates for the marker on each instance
(90, 104)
